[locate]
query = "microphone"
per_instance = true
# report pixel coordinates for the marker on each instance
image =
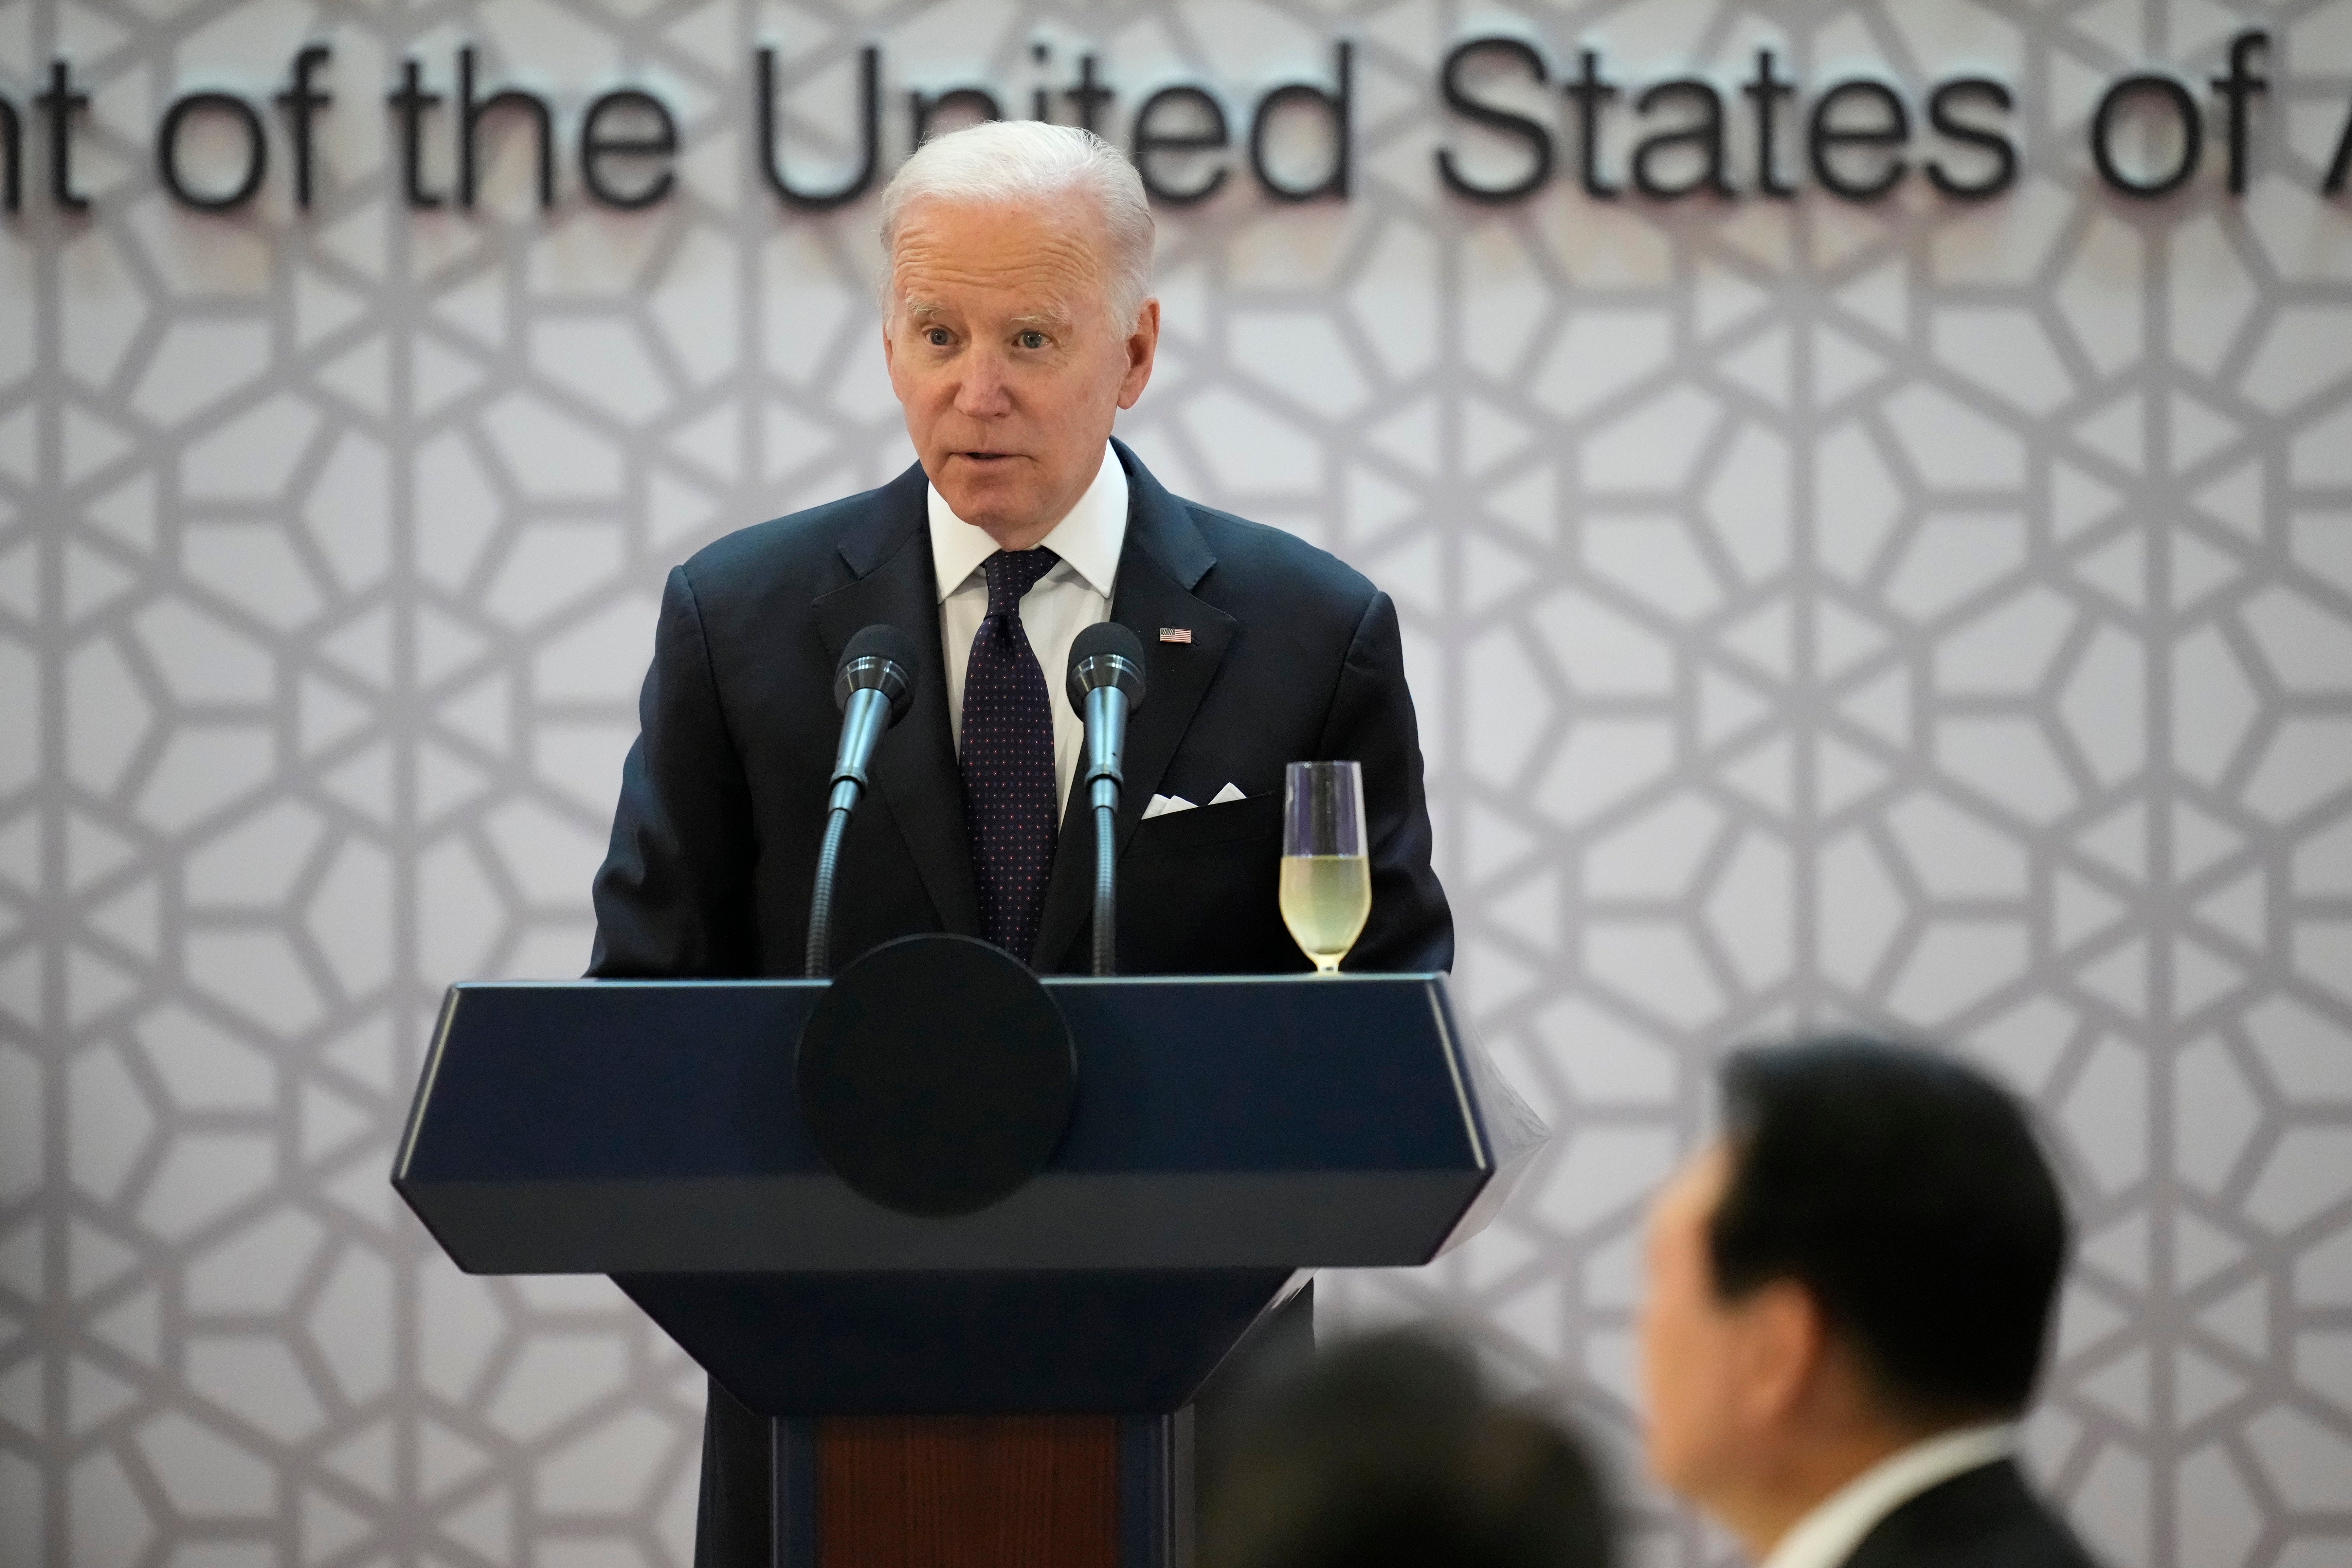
(1105, 685)
(873, 686)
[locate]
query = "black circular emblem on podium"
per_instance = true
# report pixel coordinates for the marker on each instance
(936, 1075)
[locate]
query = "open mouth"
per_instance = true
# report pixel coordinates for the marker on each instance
(986, 456)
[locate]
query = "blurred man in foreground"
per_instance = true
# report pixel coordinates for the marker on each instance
(1392, 1454)
(1849, 1296)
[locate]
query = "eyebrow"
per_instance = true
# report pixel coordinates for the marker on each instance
(1053, 316)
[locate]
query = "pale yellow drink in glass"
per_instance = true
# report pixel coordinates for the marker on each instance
(1325, 900)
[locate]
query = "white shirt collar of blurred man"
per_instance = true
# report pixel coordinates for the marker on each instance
(1088, 539)
(1828, 1535)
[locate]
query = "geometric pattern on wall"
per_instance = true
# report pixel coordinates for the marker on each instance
(1934, 615)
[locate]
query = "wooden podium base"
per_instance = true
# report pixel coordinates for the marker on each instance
(1009, 1491)
(967, 1491)
(983, 1492)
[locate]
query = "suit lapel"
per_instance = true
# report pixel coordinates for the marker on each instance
(889, 553)
(1162, 559)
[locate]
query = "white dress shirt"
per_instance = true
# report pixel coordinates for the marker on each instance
(1827, 1536)
(1066, 600)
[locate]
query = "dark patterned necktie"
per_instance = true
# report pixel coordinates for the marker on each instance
(1008, 758)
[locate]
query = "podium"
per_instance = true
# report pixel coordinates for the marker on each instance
(1225, 1138)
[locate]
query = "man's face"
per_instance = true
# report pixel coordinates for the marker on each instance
(1002, 347)
(1694, 1346)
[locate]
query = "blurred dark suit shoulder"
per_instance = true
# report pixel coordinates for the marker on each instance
(1286, 653)
(1984, 1518)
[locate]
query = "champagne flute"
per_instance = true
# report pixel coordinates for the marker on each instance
(1327, 878)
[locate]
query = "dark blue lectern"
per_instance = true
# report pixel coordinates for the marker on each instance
(1227, 1136)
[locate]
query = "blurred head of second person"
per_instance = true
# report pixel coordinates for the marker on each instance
(1392, 1453)
(1849, 1295)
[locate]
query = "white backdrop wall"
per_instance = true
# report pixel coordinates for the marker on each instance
(1930, 614)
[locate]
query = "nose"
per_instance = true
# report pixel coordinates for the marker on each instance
(982, 392)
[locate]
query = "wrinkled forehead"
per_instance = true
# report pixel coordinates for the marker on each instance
(1045, 257)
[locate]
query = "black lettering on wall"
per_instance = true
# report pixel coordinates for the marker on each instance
(2238, 90)
(410, 101)
(2183, 107)
(1337, 106)
(301, 101)
(1531, 133)
(1151, 140)
(923, 109)
(1836, 137)
(1704, 134)
(1768, 88)
(2147, 132)
(2339, 168)
(1940, 106)
(1591, 95)
(598, 143)
(1088, 97)
(12, 178)
(472, 111)
(869, 100)
(61, 103)
(167, 150)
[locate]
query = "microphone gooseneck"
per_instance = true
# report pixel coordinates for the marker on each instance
(873, 685)
(1105, 685)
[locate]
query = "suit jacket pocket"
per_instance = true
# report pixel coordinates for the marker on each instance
(1234, 821)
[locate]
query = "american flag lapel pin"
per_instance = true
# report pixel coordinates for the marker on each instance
(1175, 634)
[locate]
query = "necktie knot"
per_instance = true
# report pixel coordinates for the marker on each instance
(1012, 573)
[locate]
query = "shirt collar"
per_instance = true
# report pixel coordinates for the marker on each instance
(1088, 539)
(1827, 1536)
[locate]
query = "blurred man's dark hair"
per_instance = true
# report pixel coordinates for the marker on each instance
(1907, 1193)
(1391, 1452)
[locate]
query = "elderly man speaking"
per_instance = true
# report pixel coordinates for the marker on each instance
(1017, 322)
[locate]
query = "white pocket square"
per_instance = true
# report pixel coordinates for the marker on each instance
(1162, 804)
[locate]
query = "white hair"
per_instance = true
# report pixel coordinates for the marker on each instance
(1016, 161)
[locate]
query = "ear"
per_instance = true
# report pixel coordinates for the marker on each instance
(890, 359)
(1783, 1343)
(1142, 346)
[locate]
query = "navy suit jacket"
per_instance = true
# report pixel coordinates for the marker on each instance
(1292, 656)
(1984, 1518)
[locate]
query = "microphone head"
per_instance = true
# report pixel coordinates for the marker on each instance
(880, 658)
(1106, 654)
